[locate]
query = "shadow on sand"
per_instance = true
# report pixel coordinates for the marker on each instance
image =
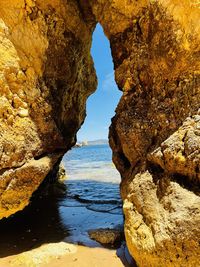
(37, 224)
(52, 219)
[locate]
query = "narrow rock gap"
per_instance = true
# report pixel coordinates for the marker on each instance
(93, 181)
(45, 220)
(101, 104)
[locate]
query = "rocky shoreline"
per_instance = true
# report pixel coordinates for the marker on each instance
(46, 76)
(59, 237)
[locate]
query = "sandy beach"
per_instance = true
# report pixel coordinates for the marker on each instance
(49, 233)
(64, 254)
(53, 230)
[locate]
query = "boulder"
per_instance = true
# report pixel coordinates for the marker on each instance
(107, 237)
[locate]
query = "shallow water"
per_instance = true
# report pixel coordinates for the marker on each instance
(90, 202)
(93, 180)
(93, 184)
(91, 163)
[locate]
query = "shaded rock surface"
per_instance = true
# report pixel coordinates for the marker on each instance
(46, 76)
(154, 134)
(180, 153)
(107, 237)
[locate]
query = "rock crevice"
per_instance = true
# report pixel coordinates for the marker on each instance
(46, 76)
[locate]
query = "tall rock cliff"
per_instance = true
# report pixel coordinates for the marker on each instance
(46, 76)
(155, 134)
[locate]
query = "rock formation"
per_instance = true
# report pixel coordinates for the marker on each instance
(107, 237)
(155, 134)
(46, 76)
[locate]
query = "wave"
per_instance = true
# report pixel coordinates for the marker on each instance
(97, 201)
(96, 208)
(109, 206)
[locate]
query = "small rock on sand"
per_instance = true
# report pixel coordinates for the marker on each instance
(107, 236)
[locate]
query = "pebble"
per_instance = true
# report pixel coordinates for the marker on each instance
(23, 112)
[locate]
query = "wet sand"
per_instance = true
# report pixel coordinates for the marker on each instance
(53, 230)
(52, 233)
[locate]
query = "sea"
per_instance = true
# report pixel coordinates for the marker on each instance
(93, 186)
(92, 178)
(92, 162)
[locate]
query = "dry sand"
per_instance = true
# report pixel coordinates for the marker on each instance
(89, 257)
(63, 254)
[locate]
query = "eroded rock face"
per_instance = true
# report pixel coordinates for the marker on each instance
(155, 135)
(180, 153)
(107, 237)
(46, 76)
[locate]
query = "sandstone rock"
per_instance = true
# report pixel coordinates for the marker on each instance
(162, 222)
(46, 76)
(154, 148)
(61, 174)
(107, 236)
(157, 67)
(45, 61)
(54, 185)
(180, 153)
(23, 112)
(18, 184)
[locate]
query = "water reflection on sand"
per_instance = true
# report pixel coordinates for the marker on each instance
(37, 224)
(50, 219)
(91, 201)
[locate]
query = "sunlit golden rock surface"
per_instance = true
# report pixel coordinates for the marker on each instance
(46, 75)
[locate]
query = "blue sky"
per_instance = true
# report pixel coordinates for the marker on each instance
(101, 105)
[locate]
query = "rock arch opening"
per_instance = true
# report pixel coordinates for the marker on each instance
(102, 103)
(47, 75)
(93, 180)
(90, 203)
